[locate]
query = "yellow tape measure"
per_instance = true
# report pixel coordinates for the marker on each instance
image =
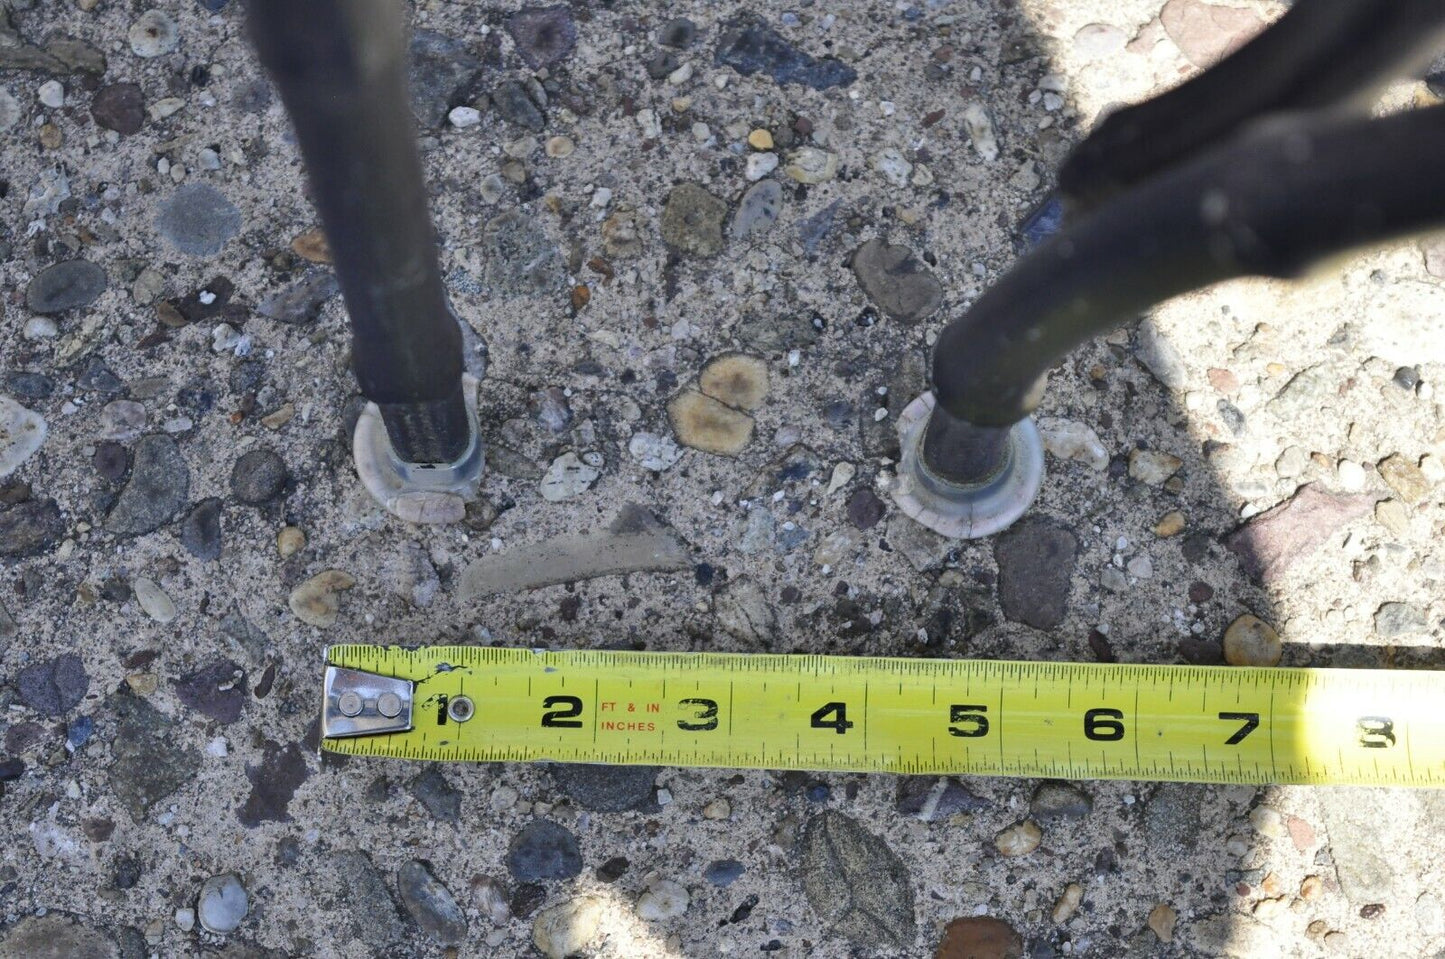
(1067, 720)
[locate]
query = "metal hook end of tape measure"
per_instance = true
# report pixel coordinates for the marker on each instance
(357, 703)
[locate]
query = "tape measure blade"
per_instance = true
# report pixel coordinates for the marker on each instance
(1075, 721)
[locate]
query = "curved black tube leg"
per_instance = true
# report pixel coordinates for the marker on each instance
(1271, 203)
(1322, 54)
(341, 68)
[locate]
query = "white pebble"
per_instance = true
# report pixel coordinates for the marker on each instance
(664, 899)
(41, 328)
(760, 165)
(463, 117)
(52, 94)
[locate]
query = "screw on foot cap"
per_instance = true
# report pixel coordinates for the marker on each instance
(966, 512)
(432, 493)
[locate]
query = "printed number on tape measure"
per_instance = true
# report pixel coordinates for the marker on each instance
(1079, 721)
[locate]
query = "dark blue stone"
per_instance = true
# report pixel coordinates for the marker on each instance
(1045, 220)
(723, 872)
(79, 732)
(750, 46)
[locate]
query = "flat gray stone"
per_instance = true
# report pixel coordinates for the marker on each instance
(897, 282)
(543, 850)
(54, 936)
(1035, 570)
(441, 69)
(431, 904)
(68, 285)
(157, 490)
(355, 898)
(301, 302)
(147, 764)
(758, 210)
(568, 559)
(519, 259)
(607, 788)
(198, 220)
(1365, 862)
(856, 884)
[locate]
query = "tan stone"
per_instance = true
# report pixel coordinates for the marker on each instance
(1162, 919)
(739, 380)
(312, 246)
(1250, 641)
(1170, 524)
(1019, 840)
(705, 424)
(316, 602)
(290, 541)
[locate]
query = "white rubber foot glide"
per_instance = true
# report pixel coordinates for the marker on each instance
(431, 493)
(966, 512)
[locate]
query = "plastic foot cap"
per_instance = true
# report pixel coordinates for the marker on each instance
(432, 493)
(966, 512)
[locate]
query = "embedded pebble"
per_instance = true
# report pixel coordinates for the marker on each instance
(1019, 840)
(1152, 466)
(1160, 357)
(758, 210)
(760, 165)
(119, 107)
(980, 937)
(543, 35)
(749, 46)
(663, 900)
(979, 126)
(431, 904)
(739, 380)
(67, 285)
(154, 34)
(1405, 478)
(156, 491)
(121, 420)
(22, 433)
(51, 94)
(568, 475)
(653, 452)
(53, 687)
(543, 850)
(568, 928)
(10, 110)
(464, 117)
(222, 904)
(1250, 641)
(1098, 41)
(1070, 440)
(897, 281)
(157, 605)
(1161, 920)
(811, 165)
(198, 220)
(703, 423)
(290, 541)
(1067, 903)
(1055, 799)
(317, 602)
(258, 476)
(302, 301)
(692, 220)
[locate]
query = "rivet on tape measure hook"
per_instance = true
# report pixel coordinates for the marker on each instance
(864, 714)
